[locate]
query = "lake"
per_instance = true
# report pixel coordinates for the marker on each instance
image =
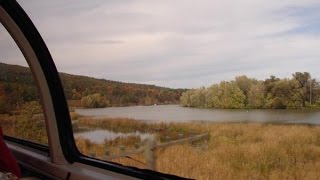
(175, 113)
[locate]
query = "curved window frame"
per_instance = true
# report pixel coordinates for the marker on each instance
(62, 146)
(25, 35)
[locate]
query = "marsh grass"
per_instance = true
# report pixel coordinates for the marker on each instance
(28, 124)
(163, 131)
(233, 151)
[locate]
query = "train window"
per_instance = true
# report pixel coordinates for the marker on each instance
(21, 114)
(206, 89)
(131, 142)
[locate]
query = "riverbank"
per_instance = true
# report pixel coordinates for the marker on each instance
(233, 150)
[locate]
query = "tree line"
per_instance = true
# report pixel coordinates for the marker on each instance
(298, 92)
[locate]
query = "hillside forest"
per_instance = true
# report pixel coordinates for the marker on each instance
(18, 87)
(298, 92)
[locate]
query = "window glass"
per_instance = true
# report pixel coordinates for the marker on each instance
(202, 89)
(21, 114)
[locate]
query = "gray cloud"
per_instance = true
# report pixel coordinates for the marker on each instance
(180, 43)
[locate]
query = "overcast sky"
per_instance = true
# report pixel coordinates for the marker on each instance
(180, 43)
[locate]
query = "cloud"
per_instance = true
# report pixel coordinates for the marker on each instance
(10, 52)
(180, 43)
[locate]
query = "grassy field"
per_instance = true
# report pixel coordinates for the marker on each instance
(233, 150)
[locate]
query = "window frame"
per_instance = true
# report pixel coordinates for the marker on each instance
(42, 67)
(21, 29)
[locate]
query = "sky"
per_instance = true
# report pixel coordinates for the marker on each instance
(179, 43)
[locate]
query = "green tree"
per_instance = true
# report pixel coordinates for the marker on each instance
(232, 97)
(296, 95)
(245, 84)
(280, 95)
(201, 97)
(256, 97)
(303, 80)
(248, 92)
(269, 84)
(185, 99)
(213, 96)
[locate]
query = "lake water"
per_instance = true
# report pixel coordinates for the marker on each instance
(100, 135)
(175, 113)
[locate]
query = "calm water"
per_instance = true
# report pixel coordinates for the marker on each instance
(100, 135)
(178, 114)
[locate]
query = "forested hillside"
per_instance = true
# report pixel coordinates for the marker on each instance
(300, 91)
(17, 87)
(115, 93)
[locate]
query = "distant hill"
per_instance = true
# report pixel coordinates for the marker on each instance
(17, 86)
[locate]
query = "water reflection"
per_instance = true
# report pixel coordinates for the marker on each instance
(100, 135)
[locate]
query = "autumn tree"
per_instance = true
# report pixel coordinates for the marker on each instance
(94, 101)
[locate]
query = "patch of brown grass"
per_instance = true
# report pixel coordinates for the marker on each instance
(241, 151)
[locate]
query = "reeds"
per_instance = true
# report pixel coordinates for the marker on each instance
(237, 151)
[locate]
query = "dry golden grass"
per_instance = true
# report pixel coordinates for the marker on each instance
(7, 124)
(233, 151)
(239, 151)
